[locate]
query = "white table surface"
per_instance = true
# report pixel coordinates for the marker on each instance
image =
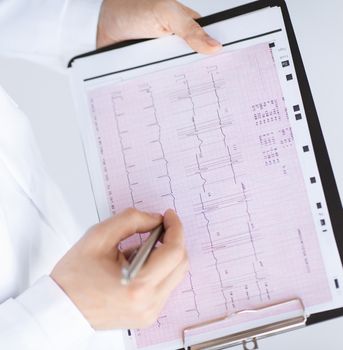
(45, 96)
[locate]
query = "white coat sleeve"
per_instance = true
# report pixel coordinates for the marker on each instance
(42, 318)
(48, 31)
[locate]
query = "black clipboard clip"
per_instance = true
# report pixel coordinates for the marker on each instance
(296, 318)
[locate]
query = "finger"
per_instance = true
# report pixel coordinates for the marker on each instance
(169, 255)
(174, 277)
(191, 12)
(173, 228)
(172, 281)
(121, 259)
(125, 224)
(182, 24)
(130, 252)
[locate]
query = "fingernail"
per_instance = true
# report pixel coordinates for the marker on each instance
(155, 215)
(213, 42)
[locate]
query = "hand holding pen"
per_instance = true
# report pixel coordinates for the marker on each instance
(91, 273)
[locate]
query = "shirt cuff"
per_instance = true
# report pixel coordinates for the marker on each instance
(56, 314)
(79, 27)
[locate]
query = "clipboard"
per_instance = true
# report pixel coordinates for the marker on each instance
(326, 174)
(250, 336)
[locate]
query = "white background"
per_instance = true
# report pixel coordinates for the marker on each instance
(44, 94)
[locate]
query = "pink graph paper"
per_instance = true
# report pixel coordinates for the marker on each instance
(212, 140)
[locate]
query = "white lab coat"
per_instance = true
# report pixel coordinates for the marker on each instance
(36, 227)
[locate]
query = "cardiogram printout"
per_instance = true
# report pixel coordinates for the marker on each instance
(224, 141)
(212, 140)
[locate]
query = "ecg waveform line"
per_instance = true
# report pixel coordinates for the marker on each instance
(171, 194)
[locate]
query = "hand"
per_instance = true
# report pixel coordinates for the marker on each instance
(121, 20)
(90, 273)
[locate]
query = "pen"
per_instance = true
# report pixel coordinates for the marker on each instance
(141, 255)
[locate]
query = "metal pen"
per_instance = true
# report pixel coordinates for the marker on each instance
(141, 255)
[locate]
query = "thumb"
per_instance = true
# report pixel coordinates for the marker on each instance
(125, 224)
(181, 22)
